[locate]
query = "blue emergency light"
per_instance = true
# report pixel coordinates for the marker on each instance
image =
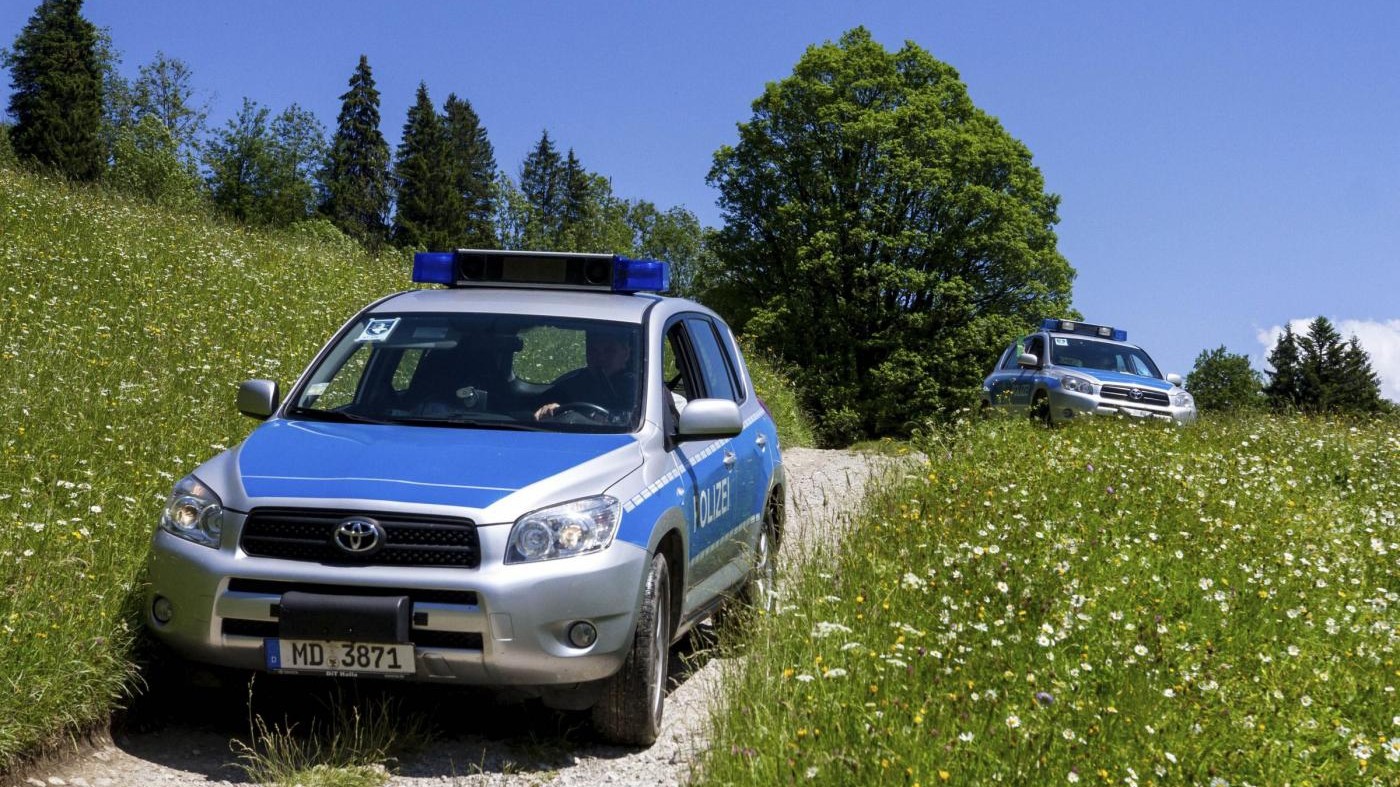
(1083, 329)
(541, 269)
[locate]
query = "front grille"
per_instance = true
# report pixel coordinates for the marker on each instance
(422, 638)
(274, 587)
(1135, 395)
(409, 539)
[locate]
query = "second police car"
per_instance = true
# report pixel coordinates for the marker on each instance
(536, 479)
(1069, 369)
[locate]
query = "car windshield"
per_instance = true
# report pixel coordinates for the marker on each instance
(1101, 356)
(485, 371)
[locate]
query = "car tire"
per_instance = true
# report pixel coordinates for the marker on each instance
(1040, 408)
(757, 595)
(630, 709)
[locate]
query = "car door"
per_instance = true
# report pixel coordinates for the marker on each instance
(711, 465)
(1023, 384)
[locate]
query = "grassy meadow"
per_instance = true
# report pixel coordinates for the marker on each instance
(1109, 603)
(124, 331)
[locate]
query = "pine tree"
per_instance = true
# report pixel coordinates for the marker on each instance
(56, 76)
(542, 184)
(426, 217)
(579, 208)
(473, 165)
(1359, 387)
(1285, 388)
(356, 179)
(1321, 349)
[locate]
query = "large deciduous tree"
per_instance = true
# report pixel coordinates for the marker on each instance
(882, 234)
(56, 77)
(427, 215)
(261, 171)
(356, 180)
(1224, 381)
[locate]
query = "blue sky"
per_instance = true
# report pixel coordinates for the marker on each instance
(1224, 168)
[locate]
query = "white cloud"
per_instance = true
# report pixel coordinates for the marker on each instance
(1379, 338)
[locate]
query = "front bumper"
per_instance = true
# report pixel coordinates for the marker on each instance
(1068, 405)
(501, 625)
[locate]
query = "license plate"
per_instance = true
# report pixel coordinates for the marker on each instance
(339, 658)
(1135, 413)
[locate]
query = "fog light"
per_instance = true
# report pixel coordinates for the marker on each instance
(162, 610)
(582, 634)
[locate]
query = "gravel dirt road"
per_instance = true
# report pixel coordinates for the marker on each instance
(476, 740)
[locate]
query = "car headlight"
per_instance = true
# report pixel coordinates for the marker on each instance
(1075, 384)
(193, 513)
(576, 528)
(1183, 399)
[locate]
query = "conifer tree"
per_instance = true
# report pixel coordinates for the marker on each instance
(426, 216)
(356, 180)
(542, 185)
(473, 165)
(1285, 388)
(56, 77)
(1359, 387)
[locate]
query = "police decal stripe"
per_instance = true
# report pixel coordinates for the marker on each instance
(675, 472)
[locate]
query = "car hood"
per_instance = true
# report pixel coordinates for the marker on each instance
(1119, 378)
(467, 468)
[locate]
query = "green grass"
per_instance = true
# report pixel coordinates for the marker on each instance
(124, 332)
(1111, 603)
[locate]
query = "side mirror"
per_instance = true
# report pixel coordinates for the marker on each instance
(258, 398)
(1174, 379)
(704, 418)
(1028, 360)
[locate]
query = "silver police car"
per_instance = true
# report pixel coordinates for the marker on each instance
(538, 479)
(1069, 369)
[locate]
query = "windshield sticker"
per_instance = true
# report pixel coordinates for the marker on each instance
(378, 330)
(1062, 342)
(316, 389)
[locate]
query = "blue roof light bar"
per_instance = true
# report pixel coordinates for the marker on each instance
(1083, 329)
(435, 267)
(541, 269)
(631, 275)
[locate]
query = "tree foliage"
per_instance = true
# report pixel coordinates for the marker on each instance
(882, 234)
(56, 79)
(473, 165)
(1223, 381)
(427, 215)
(1317, 372)
(261, 171)
(154, 129)
(356, 181)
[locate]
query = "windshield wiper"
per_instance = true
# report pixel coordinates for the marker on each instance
(472, 423)
(336, 415)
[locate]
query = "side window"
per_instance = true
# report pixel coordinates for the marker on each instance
(1008, 360)
(714, 363)
(1035, 345)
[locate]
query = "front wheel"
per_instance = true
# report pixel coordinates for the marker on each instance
(1040, 408)
(629, 711)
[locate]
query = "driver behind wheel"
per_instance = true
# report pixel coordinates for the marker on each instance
(607, 382)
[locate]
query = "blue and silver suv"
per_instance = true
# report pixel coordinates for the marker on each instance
(537, 478)
(1069, 369)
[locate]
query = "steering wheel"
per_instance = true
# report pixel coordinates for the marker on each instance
(584, 408)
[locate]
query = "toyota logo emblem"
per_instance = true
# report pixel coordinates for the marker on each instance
(1136, 394)
(359, 535)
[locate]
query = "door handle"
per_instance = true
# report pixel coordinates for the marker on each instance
(730, 459)
(762, 441)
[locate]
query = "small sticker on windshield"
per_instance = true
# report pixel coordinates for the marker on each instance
(316, 389)
(1062, 342)
(378, 330)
